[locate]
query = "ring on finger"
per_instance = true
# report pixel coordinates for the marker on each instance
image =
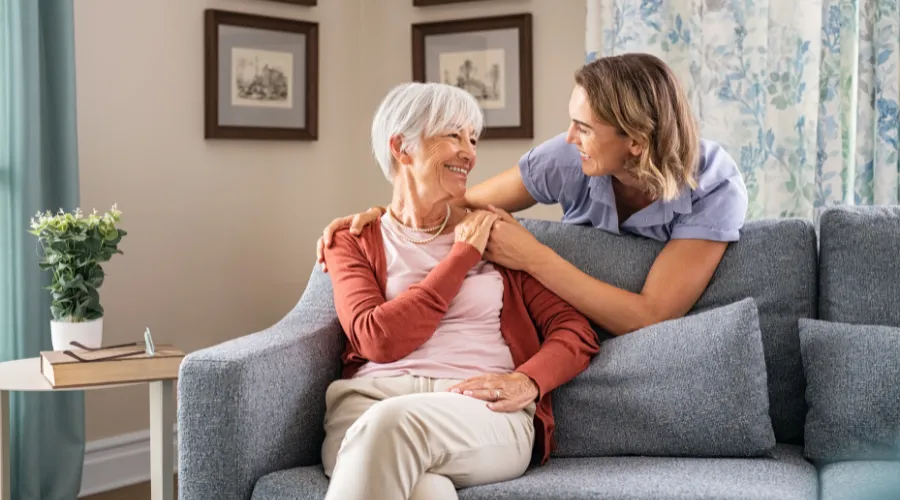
(496, 394)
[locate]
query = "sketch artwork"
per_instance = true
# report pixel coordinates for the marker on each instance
(480, 72)
(261, 78)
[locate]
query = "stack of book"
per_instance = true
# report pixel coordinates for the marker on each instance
(122, 364)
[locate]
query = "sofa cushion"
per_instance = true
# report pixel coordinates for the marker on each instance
(774, 263)
(693, 386)
(853, 390)
(860, 271)
(786, 476)
(861, 480)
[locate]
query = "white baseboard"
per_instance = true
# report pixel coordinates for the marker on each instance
(118, 461)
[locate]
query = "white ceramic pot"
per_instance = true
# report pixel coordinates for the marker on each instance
(86, 333)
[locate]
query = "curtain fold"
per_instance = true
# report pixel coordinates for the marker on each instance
(803, 94)
(38, 171)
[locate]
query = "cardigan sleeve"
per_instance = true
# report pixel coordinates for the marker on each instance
(384, 330)
(568, 341)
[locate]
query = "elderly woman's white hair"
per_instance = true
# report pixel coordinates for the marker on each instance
(419, 110)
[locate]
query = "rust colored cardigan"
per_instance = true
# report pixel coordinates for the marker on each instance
(549, 340)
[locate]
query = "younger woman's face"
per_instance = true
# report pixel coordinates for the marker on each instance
(604, 149)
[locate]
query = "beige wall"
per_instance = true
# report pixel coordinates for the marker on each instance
(222, 233)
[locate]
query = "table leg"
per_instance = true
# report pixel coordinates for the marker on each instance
(162, 421)
(5, 493)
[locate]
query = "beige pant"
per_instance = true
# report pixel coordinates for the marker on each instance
(399, 438)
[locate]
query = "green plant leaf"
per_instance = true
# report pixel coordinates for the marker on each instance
(58, 311)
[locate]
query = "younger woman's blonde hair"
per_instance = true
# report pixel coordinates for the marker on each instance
(639, 94)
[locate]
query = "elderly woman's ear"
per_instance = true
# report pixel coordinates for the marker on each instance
(400, 150)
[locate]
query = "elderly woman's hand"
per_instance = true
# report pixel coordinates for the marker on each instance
(504, 392)
(475, 228)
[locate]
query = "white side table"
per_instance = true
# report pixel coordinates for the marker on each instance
(25, 375)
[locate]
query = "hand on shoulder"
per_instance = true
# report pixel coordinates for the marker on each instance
(354, 224)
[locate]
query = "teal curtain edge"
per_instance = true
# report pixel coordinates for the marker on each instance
(47, 429)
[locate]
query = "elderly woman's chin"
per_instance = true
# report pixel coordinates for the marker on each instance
(455, 189)
(455, 179)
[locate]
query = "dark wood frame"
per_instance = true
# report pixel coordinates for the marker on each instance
(428, 3)
(311, 3)
(522, 22)
(214, 18)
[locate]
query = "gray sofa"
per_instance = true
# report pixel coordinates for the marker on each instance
(753, 395)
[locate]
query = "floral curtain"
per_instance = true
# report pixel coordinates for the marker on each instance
(803, 94)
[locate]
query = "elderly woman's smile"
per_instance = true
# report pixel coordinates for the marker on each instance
(455, 153)
(459, 160)
(461, 171)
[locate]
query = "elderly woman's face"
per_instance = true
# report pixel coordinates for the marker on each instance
(444, 161)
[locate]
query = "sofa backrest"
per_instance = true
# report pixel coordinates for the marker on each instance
(774, 262)
(859, 265)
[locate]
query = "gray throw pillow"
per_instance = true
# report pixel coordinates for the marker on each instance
(693, 386)
(853, 390)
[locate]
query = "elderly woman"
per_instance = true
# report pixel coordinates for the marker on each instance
(450, 360)
(631, 162)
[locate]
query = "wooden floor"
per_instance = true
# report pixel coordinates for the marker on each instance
(137, 492)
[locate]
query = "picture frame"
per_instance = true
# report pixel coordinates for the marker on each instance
(310, 3)
(261, 77)
(429, 3)
(489, 56)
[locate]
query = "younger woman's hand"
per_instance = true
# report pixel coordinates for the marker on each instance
(356, 223)
(511, 245)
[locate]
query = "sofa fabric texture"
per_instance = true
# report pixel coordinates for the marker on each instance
(859, 265)
(853, 392)
(860, 480)
(785, 476)
(693, 387)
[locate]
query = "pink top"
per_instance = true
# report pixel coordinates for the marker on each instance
(467, 341)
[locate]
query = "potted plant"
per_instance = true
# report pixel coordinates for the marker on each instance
(74, 245)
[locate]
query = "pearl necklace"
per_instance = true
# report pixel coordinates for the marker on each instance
(403, 235)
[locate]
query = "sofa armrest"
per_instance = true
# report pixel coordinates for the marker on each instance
(256, 404)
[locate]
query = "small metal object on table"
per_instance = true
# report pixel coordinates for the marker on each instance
(25, 375)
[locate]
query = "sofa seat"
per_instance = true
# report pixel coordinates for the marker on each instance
(863, 480)
(786, 476)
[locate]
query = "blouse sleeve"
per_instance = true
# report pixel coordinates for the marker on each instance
(543, 169)
(719, 205)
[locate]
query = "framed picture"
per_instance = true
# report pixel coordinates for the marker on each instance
(261, 77)
(491, 58)
(298, 2)
(427, 3)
